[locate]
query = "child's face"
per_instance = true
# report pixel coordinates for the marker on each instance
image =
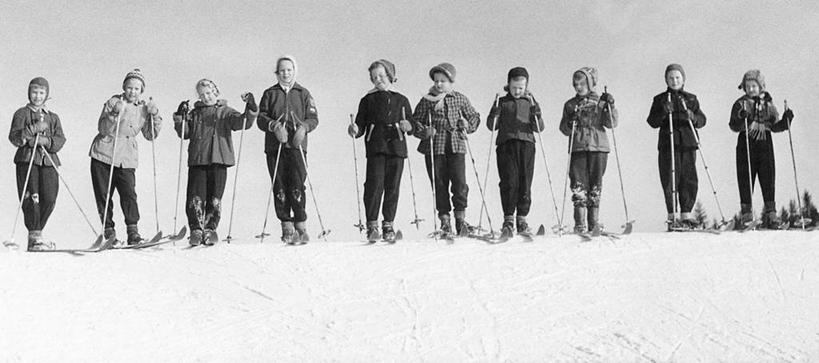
(37, 96)
(674, 80)
(285, 71)
(133, 88)
(517, 87)
(207, 95)
(581, 86)
(441, 83)
(379, 78)
(752, 88)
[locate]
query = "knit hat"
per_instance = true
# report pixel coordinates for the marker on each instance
(753, 75)
(447, 69)
(204, 82)
(388, 67)
(591, 76)
(136, 73)
(38, 82)
(675, 67)
(288, 58)
(517, 72)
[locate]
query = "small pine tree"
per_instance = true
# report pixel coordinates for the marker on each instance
(809, 208)
(700, 216)
(784, 215)
(737, 222)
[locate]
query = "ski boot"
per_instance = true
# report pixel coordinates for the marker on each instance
(373, 235)
(196, 237)
(580, 220)
(592, 216)
(770, 220)
(133, 235)
(523, 227)
(301, 231)
(688, 222)
(508, 227)
(288, 233)
(445, 230)
(37, 243)
(387, 232)
(461, 226)
(210, 237)
(746, 215)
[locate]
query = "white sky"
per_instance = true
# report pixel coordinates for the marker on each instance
(85, 49)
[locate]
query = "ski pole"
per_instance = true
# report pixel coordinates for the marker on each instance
(495, 126)
(432, 175)
(795, 180)
(179, 171)
(560, 225)
(357, 188)
(675, 209)
(10, 241)
(417, 221)
(324, 232)
(65, 183)
(750, 177)
(548, 176)
(478, 180)
(236, 179)
(263, 234)
(629, 223)
(111, 168)
(153, 165)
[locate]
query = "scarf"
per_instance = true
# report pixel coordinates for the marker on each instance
(438, 98)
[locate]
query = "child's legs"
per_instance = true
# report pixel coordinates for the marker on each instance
(509, 180)
(392, 186)
(579, 178)
(99, 181)
(125, 182)
(31, 207)
(294, 178)
(440, 183)
(742, 174)
(456, 163)
(195, 200)
(526, 170)
(279, 198)
(49, 187)
(596, 163)
(217, 177)
(374, 185)
(664, 166)
(689, 183)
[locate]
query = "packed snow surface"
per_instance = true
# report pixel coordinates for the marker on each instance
(645, 297)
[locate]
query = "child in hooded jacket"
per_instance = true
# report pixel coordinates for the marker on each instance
(442, 119)
(517, 117)
(38, 136)
(209, 127)
(134, 116)
(287, 113)
(585, 119)
(754, 116)
(381, 119)
(684, 110)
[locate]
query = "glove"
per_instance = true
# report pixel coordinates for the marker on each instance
(152, 109)
(462, 124)
(668, 107)
(279, 131)
(352, 130)
(299, 135)
(766, 96)
(788, 115)
(429, 132)
(38, 127)
(183, 108)
(405, 126)
(44, 141)
(607, 98)
(250, 101)
(117, 106)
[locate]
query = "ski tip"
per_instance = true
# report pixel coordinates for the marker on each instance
(155, 238)
(541, 231)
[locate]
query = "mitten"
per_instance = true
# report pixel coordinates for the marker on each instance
(462, 124)
(742, 113)
(183, 108)
(429, 132)
(38, 127)
(44, 141)
(250, 101)
(116, 106)
(299, 135)
(279, 131)
(668, 107)
(152, 109)
(787, 115)
(405, 126)
(352, 130)
(607, 98)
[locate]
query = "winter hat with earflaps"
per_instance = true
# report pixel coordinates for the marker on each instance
(753, 75)
(38, 82)
(389, 68)
(591, 76)
(447, 69)
(517, 72)
(136, 73)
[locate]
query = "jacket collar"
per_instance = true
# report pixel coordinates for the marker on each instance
(296, 85)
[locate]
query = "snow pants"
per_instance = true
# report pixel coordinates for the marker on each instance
(685, 163)
(450, 174)
(586, 171)
(763, 166)
(203, 205)
(516, 166)
(288, 186)
(124, 182)
(40, 195)
(383, 178)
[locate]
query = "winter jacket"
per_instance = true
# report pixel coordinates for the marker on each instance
(758, 111)
(277, 105)
(20, 134)
(377, 120)
(516, 119)
(684, 137)
(591, 116)
(210, 130)
(133, 120)
(445, 122)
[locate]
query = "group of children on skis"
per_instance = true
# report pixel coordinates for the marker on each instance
(442, 120)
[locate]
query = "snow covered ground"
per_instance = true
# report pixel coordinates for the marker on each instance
(646, 297)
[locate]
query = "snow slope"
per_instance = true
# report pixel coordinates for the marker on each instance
(646, 297)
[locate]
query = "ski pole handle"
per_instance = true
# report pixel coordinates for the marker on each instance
(352, 119)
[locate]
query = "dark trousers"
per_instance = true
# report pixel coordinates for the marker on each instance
(124, 182)
(763, 166)
(450, 172)
(40, 195)
(383, 178)
(586, 170)
(685, 163)
(516, 165)
(206, 185)
(288, 187)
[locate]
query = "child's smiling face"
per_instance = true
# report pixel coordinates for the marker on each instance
(37, 95)
(517, 87)
(441, 83)
(132, 89)
(581, 86)
(379, 78)
(674, 80)
(752, 88)
(207, 95)
(285, 71)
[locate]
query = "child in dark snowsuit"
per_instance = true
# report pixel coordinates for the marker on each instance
(585, 117)
(684, 109)
(209, 127)
(287, 112)
(36, 131)
(452, 117)
(756, 110)
(381, 119)
(518, 117)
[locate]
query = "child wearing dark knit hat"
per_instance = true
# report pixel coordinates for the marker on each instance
(585, 119)
(677, 110)
(124, 116)
(38, 135)
(517, 117)
(442, 120)
(756, 111)
(381, 119)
